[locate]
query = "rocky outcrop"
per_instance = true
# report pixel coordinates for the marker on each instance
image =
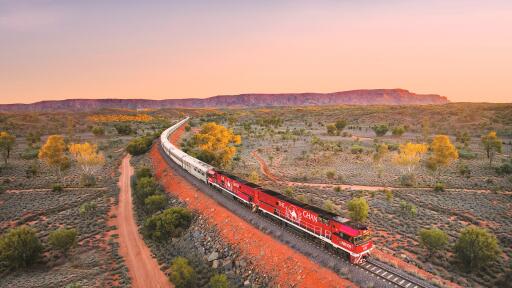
(353, 97)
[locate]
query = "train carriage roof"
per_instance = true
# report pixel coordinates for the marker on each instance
(321, 212)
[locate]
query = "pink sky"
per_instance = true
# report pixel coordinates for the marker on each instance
(126, 49)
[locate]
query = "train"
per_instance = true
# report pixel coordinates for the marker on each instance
(346, 236)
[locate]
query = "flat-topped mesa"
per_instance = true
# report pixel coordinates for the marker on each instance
(353, 97)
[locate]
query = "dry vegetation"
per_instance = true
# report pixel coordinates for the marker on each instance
(68, 180)
(325, 146)
(434, 181)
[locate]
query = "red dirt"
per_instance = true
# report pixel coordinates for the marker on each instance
(142, 267)
(288, 267)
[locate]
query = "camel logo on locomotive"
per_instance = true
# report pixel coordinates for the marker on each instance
(292, 213)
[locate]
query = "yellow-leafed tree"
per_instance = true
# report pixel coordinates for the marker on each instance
(87, 157)
(53, 152)
(215, 144)
(443, 154)
(6, 144)
(492, 145)
(410, 155)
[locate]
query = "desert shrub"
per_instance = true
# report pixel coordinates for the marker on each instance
(62, 239)
(74, 285)
(337, 189)
(155, 203)
(182, 275)
(356, 149)
(87, 180)
(358, 208)
(288, 191)
(398, 131)
(87, 208)
(145, 187)
(329, 206)
(123, 129)
(408, 209)
(393, 146)
(99, 131)
(57, 188)
(302, 198)
(433, 239)
(187, 128)
(389, 195)
(466, 154)
(505, 168)
(331, 130)
(330, 174)
(143, 172)
(19, 247)
(139, 146)
(32, 170)
(254, 176)
(170, 223)
(380, 130)
(464, 170)
(476, 247)
(439, 187)
(408, 180)
(219, 281)
(29, 153)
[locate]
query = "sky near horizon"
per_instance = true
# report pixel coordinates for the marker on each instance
(65, 49)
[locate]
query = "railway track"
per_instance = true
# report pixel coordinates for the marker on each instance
(386, 274)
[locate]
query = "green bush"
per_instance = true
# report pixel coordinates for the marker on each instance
(19, 247)
(168, 224)
(389, 195)
(219, 281)
(87, 180)
(57, 188)
(139, 146)
(439, 187)
(87, 208)
(380, 130)
(32, 170)
(62, 239)
(358, 208)
(155, 203)
(433, 239)
(464, 170)
(330, 174)
(145, 187)
(123, 129)
(99, 131)
(476, 247)
(505, 168)
(408, 209)
(356, 149)
(29, 153)
(466, 154)
(143, 172)
(398, 131)
(408, 180)
(182, 275)
(329, 206)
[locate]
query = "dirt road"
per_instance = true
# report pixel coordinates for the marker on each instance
(142, 267)
(266, 171)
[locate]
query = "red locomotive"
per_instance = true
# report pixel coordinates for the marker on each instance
(351, 237)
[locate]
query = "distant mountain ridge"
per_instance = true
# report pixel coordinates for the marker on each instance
(353, 97)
